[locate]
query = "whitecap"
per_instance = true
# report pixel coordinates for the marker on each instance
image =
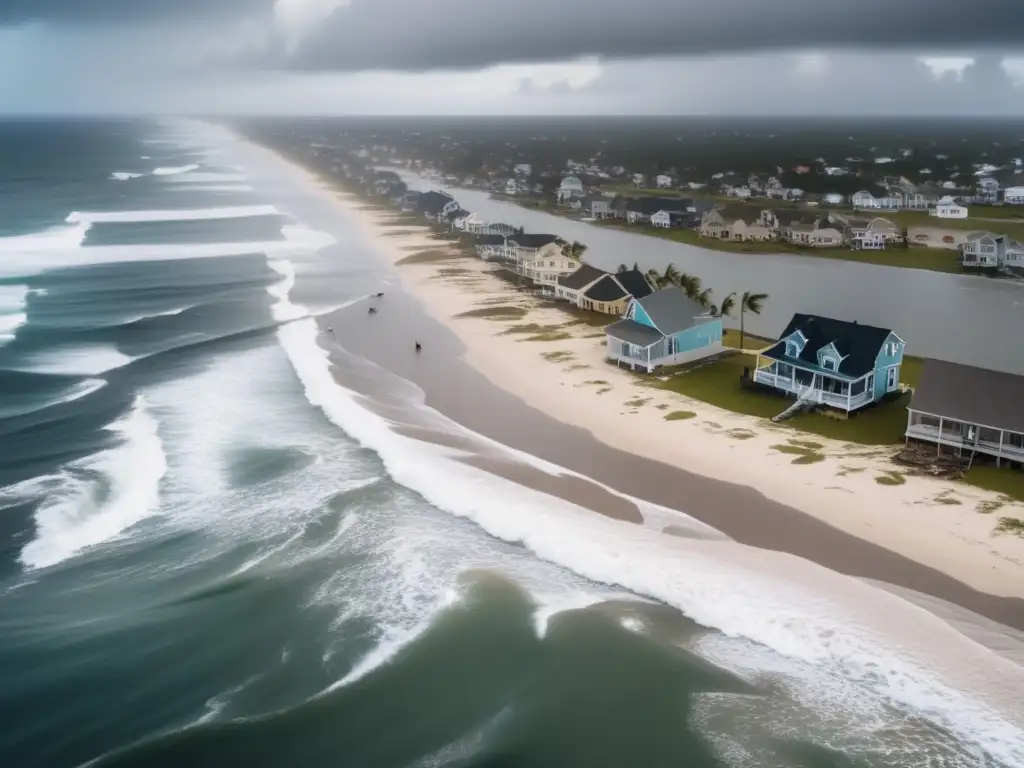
(211, 188)
(209, 178)
(12, 311)
(82, 360)
(125, 176)
(198, 214)
(94, 500)
(175, 171)
(76, 392)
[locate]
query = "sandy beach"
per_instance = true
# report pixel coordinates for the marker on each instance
(543, 355)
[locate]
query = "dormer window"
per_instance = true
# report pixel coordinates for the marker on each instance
(792, 350)
(828, 363)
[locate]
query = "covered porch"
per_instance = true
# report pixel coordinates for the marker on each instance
(831, 389)
(963, 437)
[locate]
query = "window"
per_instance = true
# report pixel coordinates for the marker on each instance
(893, 378)
(828, 363)
(791, 349)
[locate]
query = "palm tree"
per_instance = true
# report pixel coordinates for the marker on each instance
(654, 277)
(636, 267)
(704, 299)
(671, 276)
(728, 305)
(574, 250)
(622, 268)
(750, 302)
(691, 285)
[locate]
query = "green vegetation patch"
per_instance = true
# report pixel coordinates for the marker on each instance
(680, 415)
(502, 312)
(549, 336)
(1011, 525)
(891, 478)
(1006, 481)
(558, 356)
(803, 455)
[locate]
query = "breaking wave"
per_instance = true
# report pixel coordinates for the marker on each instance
(198, 214)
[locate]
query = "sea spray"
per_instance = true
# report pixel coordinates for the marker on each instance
(94, 500)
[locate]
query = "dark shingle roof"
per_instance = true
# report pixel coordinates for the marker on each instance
(671, 310)
(606, 289)
(739, 212)
(973, 395)
(858, 344)
(788, 218)
(531, 240)
(634, 333)
(432, 202)
(651, 205)
(489, 240)
(581, 278)
(635, 283)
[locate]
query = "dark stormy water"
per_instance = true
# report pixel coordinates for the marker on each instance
(211, 554)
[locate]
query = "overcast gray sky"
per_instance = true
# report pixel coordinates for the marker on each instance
(524, 56)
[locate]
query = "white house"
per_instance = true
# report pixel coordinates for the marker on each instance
(947, 209)
(863, 199)
(1014, 195)
(983, 249)
(833, 198)
(663, 181)
(639, 179)
(571, 187)
(988, 190)
(471, 223)
(523, 169)
(511, 187)
(544, 266)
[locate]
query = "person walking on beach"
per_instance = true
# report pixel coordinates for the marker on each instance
(418, 346)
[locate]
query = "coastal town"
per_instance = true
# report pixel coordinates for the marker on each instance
(824, 381)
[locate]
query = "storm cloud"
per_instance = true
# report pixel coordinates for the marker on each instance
(61, 12)
(413, 35)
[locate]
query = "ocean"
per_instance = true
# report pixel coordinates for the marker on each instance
(223, 543)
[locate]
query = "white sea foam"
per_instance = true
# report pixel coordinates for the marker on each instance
(12, 310)
(76, 392)
(175, 171)
(211, 188)
(94, 500)
(796, 609)
(209, 178)
(82, 360)
(200, 214)
(125, 176)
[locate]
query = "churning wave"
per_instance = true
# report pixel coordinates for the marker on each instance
(197, 214)
(69, 395)
(93, 500)
(125, 176)
(12, 310)
(176, 170)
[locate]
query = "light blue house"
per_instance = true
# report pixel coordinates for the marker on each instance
(664, 328)
(832, 362)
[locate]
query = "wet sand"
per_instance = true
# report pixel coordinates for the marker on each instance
(463, 394)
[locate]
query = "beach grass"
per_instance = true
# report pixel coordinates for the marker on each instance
(891, 478)
(500, 312)
(803, 454)
(1011, 525)
(549, 336)
(680, 415)
(741, 434)
(638, 402)
(558, 356)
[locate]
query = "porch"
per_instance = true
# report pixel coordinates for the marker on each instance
(815, 387)
(649, 357)
(965, 438)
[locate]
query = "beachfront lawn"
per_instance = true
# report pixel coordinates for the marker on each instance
(1014, 229)
(1006, 481)
(718, 383)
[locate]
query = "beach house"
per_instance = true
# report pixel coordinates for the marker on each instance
(968, 410)
(664, 328)
(836, 363)
(599, 291)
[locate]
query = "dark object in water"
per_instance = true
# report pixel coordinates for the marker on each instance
(380, 294)
(418, 346)
(372, 311)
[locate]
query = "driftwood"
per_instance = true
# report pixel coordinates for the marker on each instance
(926, 462)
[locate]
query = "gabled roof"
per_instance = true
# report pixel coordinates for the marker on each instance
(739, 212)
(858, 344)
(972, 395)
(634, 333)
(531, 240)
(458, 213)
(606, 289)
(671, 310)
(635, 282)
(581, 278)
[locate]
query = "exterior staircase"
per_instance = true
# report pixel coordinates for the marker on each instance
(805, 402)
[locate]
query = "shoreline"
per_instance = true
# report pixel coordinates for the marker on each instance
(620, 411)
(764, 505)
